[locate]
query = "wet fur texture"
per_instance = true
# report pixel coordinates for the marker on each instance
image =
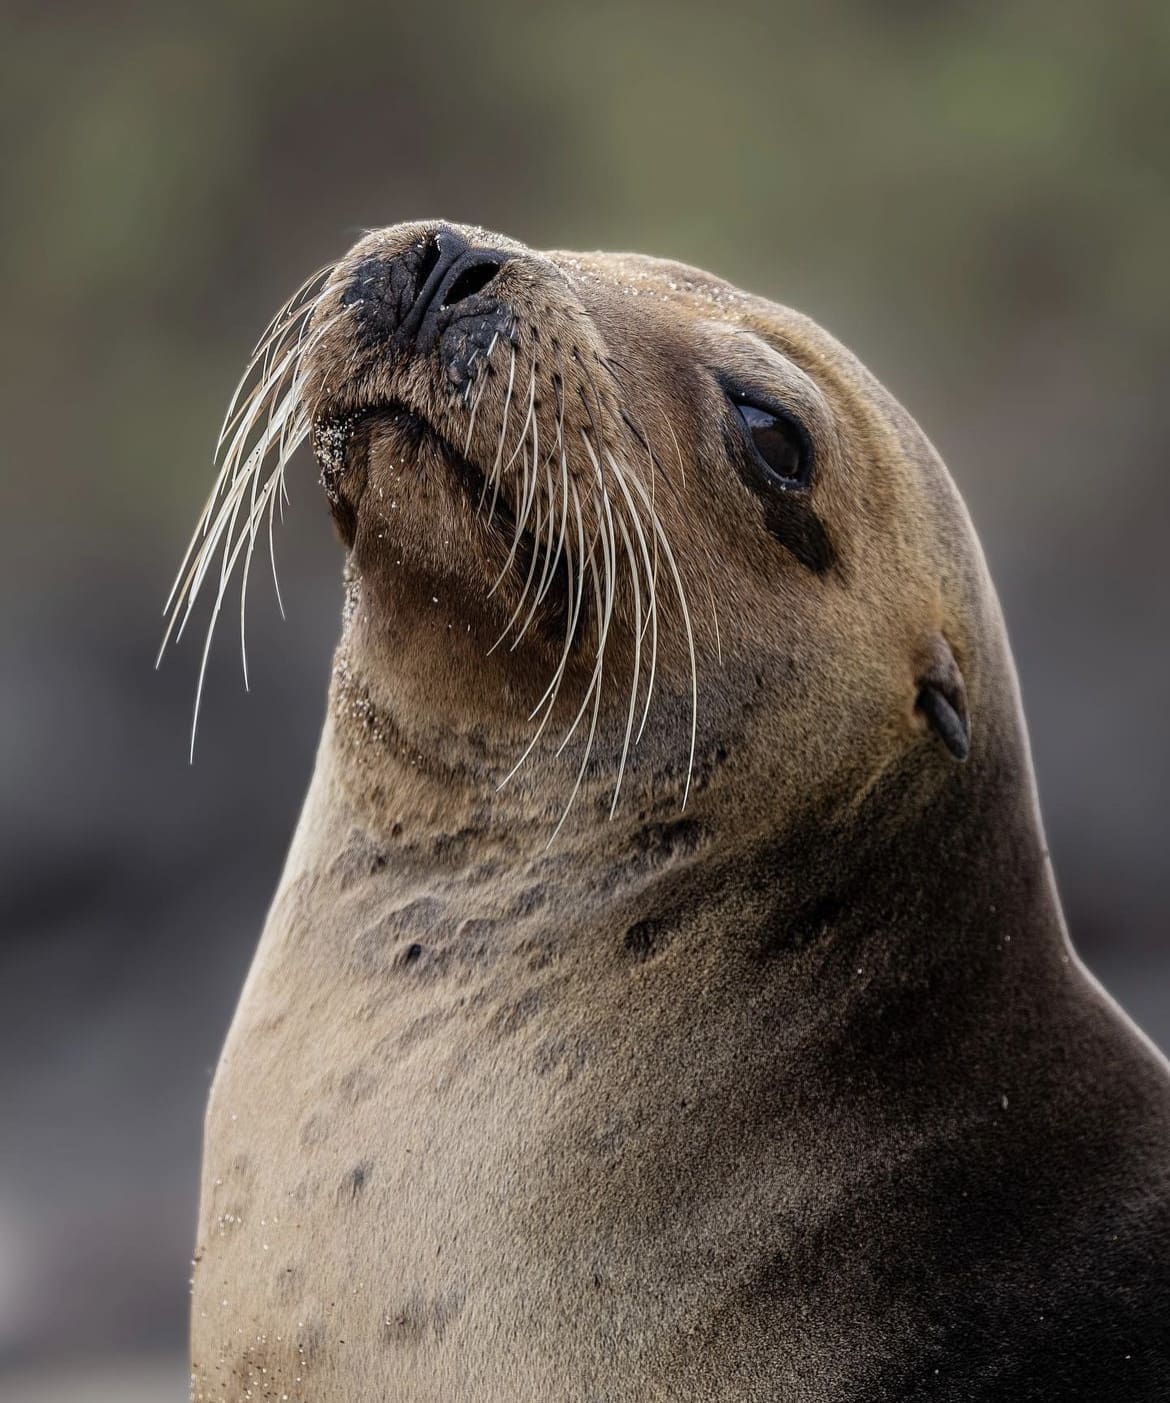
(793, 1092)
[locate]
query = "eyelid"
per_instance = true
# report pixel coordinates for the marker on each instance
(750, 396)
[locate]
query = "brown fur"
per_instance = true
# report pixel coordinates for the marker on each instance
(794, 1093)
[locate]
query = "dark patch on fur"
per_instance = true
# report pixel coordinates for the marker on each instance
(310, 1343)
(659, 843)
(424, 915)
(477, 941)
(708, 761)
(287, 1283)
(315, 1130)
(539, 951)
(475, 929)
(266, 1369)
(425, 962)
(356, 1086)
(393, 939)
(813, 923)
(513, 1017)
(795, 525)
(645, 939)
(531, 899)
(361, 857)
(463, 840)
(421, 1317)
(353, 1183)
(240, 1168)
(417, 1031)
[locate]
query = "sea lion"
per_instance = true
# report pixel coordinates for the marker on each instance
(666, 995)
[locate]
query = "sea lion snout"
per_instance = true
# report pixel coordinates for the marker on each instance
(410, 297)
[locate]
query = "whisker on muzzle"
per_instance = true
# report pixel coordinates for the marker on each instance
(583, 517)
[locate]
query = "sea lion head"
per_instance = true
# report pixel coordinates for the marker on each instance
(616, 528)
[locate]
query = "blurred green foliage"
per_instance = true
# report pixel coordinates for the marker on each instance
(934, 181)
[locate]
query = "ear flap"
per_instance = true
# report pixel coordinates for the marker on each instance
(942, 700)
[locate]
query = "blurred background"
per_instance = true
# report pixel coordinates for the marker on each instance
(975, 198)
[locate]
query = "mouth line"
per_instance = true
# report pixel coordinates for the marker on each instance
(335, 430)
(333, 434)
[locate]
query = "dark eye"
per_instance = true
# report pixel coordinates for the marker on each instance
(780, 443)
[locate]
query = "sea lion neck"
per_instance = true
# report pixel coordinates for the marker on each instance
(828, 900)
(942, 885)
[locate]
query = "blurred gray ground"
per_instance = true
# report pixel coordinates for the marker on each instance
(976, 200)
(131, 1380)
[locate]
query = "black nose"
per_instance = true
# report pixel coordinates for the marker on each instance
(404, 296)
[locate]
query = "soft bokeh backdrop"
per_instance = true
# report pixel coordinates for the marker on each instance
(976, 198)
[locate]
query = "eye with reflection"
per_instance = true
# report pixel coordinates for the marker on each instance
(772, 451)
(778, 441)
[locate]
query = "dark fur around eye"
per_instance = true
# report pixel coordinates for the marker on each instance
(773, 453)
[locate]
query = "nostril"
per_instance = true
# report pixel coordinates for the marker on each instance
(428, 260)
(473, 277)
(405, 296)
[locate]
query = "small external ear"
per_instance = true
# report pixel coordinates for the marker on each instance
(942, 700)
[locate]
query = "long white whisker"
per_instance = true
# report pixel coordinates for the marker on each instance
(493, 478)
(572, 615)
(230, 504)
(672, 566)
(551, 558)
(636, 670)
(287, 446)
(483, 384)
(608, 550)
(270, 338)
(602, 629)
(272, 501)
(285, 420)
(652, 617)
(538, 530)
(651, 582)
(529, 483)
(271, 345)
(227, 473)
(269, 486)
(551, 692)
